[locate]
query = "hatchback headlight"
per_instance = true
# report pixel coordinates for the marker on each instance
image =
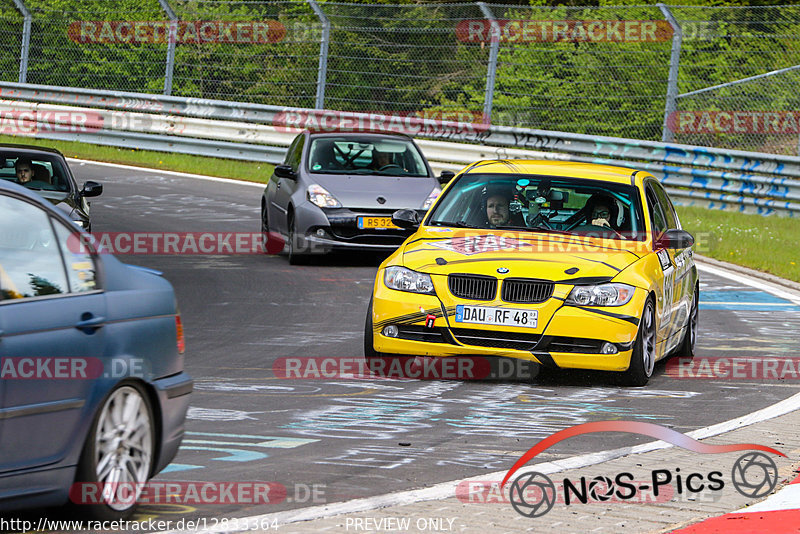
(431, 198)
(320, 196)
(403, 279)
(600, 295)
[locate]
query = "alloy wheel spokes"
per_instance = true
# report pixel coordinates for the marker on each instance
(123, 445)
(649, 343)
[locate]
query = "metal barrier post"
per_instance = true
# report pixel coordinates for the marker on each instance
(322, 73)
(674, 62)
(173, 37)
(488, 99)
(26, 40)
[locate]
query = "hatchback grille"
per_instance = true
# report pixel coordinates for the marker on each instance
(472, 287)
(496, 339)
(527, 291)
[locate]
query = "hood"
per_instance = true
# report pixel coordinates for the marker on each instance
(557, 257)
(362, 191)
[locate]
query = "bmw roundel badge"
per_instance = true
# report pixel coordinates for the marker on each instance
(502, 270)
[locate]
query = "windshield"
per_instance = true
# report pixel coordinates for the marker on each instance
(365, 155)
(41, 172)
(542, 203)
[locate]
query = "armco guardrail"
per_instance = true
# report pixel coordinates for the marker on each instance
(717, 178)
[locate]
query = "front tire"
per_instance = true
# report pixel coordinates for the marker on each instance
(294, 257)
(687, 346)
(369, 337)
(118, 456)
(643, 359)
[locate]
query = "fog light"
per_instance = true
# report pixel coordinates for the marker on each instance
(320, 232)
(391, 331)
(608, 348)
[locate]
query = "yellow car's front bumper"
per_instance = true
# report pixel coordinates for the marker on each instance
(565, 337)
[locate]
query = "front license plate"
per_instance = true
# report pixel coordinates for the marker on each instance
(497, 316)
(376, 223)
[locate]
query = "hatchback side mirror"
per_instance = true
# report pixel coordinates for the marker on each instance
(91, 189)
(675, 239)
(406, 218)
(445, 177)
(285, 171)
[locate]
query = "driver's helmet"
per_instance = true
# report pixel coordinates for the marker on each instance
(603, 199)
(323, 157)
(381, 159)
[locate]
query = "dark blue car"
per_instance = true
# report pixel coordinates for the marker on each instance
(93, 394)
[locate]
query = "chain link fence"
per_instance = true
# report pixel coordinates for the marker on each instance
(739, 74)
(591, 70)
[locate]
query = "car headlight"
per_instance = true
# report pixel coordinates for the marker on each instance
(600, 295)
(431, 198)
(80, 223)
(403, 279)
(320, 196)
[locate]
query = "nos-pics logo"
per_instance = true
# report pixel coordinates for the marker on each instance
(533, 494)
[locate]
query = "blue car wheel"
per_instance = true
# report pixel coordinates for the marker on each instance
(119, 453)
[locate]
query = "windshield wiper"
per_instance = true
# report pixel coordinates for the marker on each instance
(459, 224)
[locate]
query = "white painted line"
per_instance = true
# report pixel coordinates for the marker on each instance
(788, 498)
(174, 173)
(750, 281)
(740, 303)
(446, 490)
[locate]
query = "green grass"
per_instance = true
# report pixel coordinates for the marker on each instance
(223, 168)
(769, 244)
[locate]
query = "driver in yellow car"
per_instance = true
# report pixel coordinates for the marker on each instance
(497, 211)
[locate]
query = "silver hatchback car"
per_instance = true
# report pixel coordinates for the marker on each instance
(339, 190)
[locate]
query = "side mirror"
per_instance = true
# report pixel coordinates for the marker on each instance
(445, 177)
(675, 239)
(406, 218)
(91, 189)
(285, 171)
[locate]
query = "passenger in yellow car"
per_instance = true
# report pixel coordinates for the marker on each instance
(602, 211)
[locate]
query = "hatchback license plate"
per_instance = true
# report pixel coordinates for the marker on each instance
(497, 316)
(376, 223)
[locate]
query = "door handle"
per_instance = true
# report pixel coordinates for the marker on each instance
(93, 322)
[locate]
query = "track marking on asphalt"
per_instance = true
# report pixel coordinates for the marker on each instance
(260, 185)
(750, 281)
(447, 489)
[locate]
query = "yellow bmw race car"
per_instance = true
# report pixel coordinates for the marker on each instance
(566, 265)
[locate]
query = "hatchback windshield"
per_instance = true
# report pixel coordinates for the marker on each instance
(542, 203)
(367, 155)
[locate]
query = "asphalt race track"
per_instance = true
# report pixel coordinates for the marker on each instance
(328, 440)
